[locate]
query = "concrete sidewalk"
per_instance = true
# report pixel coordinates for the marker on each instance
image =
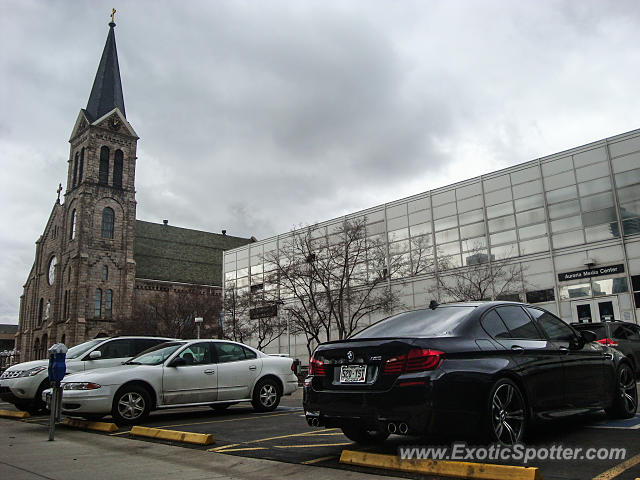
(25, 453)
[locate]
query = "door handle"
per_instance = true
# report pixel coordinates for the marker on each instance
(252, 367)
(608, 356)
(564, 349)
(209, 372)
(517, 348)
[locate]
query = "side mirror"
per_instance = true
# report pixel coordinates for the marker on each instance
(589, 336)
(178, 362)
(95, 355)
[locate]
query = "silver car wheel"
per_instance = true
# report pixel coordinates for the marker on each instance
(268, 395)
(131, 405)
(507, 414)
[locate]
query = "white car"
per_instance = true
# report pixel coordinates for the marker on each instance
(22, 384)
(180, 373)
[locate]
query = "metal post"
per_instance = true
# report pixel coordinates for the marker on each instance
(53, 409)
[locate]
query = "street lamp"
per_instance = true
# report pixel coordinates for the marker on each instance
(198, 321)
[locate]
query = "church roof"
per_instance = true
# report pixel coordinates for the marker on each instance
(164, 252)
(106, 93)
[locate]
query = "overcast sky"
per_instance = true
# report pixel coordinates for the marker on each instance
(255, 117)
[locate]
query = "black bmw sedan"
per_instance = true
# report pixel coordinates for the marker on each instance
(488, 368)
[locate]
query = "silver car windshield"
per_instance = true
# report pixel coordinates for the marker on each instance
(75, 352)
(155, 355)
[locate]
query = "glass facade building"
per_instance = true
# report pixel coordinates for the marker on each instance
(572, 220)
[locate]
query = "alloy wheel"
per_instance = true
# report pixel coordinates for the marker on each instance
(131, 405)
(627, 389)
(507, 414)
(268, 395)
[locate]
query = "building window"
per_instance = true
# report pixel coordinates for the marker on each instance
(103, 173)
(117, 169)
(107, 222)
(75, 170)
(63, 338)
(43, 345)
(540, 296)
(40, 311)
(36, 349)
(69, 274)
(72, 226)
(108, 303)
(65, 304)
(81, 167)
(105, 273)
(635, 282)
(97, 303)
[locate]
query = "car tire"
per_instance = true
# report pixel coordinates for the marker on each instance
(37, 405)
(506, 414)
(363, 435)
(625, 403)
(24, 406)
(131, 405)
(266, 395)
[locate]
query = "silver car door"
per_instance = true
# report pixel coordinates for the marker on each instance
(194, 380)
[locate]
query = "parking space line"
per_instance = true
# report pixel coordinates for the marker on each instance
(241, 449)
(316, 460)
(271, 438)
(315, 445)
(326, 434)
(121, 433)
(253, 417)
(618, 469)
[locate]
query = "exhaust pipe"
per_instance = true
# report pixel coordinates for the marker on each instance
(391, 427)
(403, 428)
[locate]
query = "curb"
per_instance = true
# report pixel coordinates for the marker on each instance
(441, 467)
(86, 425)
(173, 435)
(14, 414)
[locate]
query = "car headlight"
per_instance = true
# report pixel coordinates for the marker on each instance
(32, 371)
(80, 386)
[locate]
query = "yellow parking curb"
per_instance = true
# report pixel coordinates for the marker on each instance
(86, 425)
(14, 414)
(441, 467)
(173, 435)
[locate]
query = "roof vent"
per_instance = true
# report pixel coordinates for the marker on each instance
(224, 232)
(433, 304)
(166, 222)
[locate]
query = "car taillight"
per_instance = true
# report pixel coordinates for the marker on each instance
(316, 368)
(608, 341)
(418, 360)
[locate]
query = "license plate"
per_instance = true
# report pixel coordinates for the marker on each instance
(353, 373)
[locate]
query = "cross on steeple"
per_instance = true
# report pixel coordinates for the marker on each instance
(113, 12)
(59, 190)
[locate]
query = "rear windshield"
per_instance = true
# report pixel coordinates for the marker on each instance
(599, 330)
(419, 323)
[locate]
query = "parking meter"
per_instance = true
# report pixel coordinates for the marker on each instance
(57, 369)
(57, 363)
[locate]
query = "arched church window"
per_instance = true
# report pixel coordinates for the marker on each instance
(65, 308)
(43, 346)
(36, 349)
(117, 168)
(40, 311)
(75, 170)
(97, 303)
(107, 222)
(103, 172)
(108, 303)
(105, 273)
(72, 225)
(81, 167)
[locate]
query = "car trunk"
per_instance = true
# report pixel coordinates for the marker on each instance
(360, 364)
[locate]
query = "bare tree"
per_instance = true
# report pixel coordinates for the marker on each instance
(236, 325)
(171, 313)
(331, 278)
(481, 278)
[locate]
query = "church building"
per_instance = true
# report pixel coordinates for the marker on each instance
(94, 258)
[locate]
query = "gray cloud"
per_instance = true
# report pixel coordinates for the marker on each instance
(256, 117)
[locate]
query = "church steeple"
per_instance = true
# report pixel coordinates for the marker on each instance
(106, 93)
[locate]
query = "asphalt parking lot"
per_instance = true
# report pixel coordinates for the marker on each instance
(283, 435)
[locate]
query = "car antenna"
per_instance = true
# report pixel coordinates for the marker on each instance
(433, 304)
